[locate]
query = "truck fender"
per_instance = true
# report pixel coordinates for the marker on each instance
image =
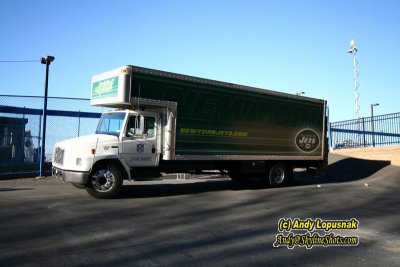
(127, 169)
(116, 160)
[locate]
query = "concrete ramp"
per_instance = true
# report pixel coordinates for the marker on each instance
(389, 153)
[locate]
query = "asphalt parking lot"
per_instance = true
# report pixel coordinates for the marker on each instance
(201, 221)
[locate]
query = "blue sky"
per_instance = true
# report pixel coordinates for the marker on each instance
(287, 46)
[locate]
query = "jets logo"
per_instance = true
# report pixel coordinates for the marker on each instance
(307, 140)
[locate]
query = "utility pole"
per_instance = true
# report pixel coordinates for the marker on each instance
(47, 61)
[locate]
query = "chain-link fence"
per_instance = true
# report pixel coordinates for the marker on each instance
(21, 122)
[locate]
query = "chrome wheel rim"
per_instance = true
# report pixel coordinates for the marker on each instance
(103, 180)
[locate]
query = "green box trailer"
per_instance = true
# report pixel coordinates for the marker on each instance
(225, 120)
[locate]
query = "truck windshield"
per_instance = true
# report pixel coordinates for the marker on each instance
(111, 123)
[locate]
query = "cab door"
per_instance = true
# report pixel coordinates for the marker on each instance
(139, 144)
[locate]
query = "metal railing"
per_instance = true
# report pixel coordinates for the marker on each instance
(382, 130)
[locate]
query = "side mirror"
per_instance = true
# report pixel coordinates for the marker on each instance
(138, 129)
(141, 125)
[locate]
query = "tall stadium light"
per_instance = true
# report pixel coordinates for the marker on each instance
(47, 61)
(353, 50)
(372, 123)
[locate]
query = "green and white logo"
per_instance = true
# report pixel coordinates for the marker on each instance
(307, 140)
(105, 88)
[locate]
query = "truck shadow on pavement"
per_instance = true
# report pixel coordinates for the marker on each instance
(341, 169)
(6, 189)
(190, 187)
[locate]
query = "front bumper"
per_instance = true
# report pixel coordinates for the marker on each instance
(70, 176)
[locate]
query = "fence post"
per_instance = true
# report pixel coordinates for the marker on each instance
(79, 121)
(39, 139)
(363, 125)
(24, 132)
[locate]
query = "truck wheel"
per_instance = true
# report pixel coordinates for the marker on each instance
(105, 182)
(279, 175)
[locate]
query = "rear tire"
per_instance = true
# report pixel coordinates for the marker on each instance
(279, 175)
(105, 182)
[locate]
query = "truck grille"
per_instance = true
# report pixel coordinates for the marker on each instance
(59, 155)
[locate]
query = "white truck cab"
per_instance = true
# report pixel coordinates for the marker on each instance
(124, 138)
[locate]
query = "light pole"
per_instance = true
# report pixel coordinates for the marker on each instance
(372, 122)
(353, 50)
(47, 61)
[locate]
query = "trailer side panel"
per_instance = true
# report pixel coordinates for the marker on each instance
(218, 120)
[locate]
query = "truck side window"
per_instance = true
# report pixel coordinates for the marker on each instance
(150, 121)
(133, 126)
(131, 130)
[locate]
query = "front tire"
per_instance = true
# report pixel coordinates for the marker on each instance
(105, 182)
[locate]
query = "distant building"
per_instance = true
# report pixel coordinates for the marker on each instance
(13, 143)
